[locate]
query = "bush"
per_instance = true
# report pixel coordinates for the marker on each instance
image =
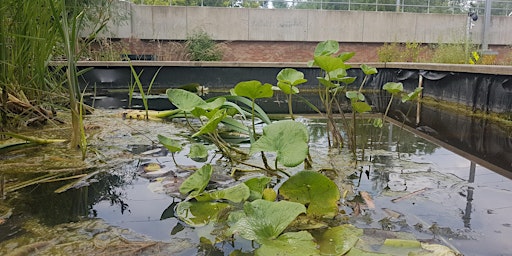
(201, 47)
(454, 53)
(390, 52)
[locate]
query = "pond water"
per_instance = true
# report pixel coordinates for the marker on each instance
(417, 187)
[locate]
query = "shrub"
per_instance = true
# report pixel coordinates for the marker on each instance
(390, 52)
(201, 47)
(454, 53)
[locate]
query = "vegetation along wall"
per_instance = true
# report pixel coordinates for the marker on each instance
(249, 34)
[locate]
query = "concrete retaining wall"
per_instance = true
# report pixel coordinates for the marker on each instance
(246, 24)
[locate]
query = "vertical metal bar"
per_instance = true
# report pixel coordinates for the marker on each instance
(397, 6)
(487, 23)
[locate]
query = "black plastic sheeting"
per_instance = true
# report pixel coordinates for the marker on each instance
(484, 92)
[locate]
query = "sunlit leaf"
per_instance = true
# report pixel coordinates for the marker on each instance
(354, 95)
(291, 76)
(198, 214)
(172, 145)
(330, 63)
(337, 74)
(253, 90)
(184, 100)
(292, 243)
(197, 182)
(367, 70)
(326, 82)
(289, 139)
(287, 88)
(377, 122)
(198, 152)
(216, 116)
(236, 194)
(256, 186)
(402, 243)
(328, 47)
(361, 107)
(339, 240)
(413, 95)
(348, 79)
(346, 56)
(265, 220)
(393, 87)
(315, 190)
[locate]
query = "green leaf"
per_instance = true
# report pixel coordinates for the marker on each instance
(291, 77)
(361, 107)
(328, 47)
(330, 63)
(402, 243)
(259, 112)
(198, 152)
(287, 88)
(265, 220)
(313, 188)
(253, 90)
(198, 214)
(393, 87)
(292, 243)
(413, 95)
(256, 186)
(235, 194)
(172, 145)
(326, 82)
(197, 182)
(346, 56)
(337, 74)
(348, 79)
(354, 95)
(215, 117)
(184, 100)
(339, 240)
(367, 70)
(289, 139)
(377, 122)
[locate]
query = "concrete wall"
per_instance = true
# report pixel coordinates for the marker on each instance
(245, 24)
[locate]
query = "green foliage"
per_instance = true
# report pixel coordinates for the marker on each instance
(397, 52)
(454, 53)
(315, 190)
(339, 240)
(289, 139)
(201, 47)
(197, 214)
(197, 182)
(263, 220)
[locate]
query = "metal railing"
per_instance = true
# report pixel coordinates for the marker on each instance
(499, 7)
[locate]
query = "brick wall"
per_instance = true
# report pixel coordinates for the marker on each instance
(262, 51)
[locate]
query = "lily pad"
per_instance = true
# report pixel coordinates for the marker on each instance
(197, 182)
(367, 70)
(328, 47)
(198, 214)
(215, 117)
(198, 152)
(315, 190)
(292, 243)
(253, 90)
(172, 145)
(288, 79)
(289, 139)
(265, 220)
(393, 87)
(339, 240)
(330, 63)
(235, 194)
(256, 186)
(413, 95)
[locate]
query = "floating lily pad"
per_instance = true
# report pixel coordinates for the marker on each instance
(199, 213)
(292, 243)
(264, 220)
(256, 186)
(198, 152)
(339, 240)
(289, 139)
(315, 190)
(236, 194)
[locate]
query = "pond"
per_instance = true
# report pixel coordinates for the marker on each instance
(404, 186)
